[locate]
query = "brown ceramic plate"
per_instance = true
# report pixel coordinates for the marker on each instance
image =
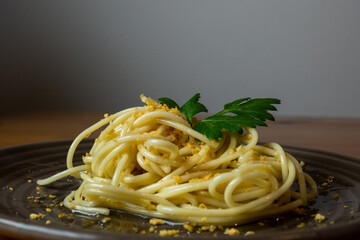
(21, 166)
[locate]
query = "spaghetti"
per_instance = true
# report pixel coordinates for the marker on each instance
(148, 160)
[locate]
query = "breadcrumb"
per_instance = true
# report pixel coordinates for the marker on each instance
(319, 218)
(232, 231)
(152, 103)
(188, 227)
(247, 136)
(202, 205)
(71, 206)
(150, 207)
(177, 179)
(156, 221)
(212, 228)
(301, 225)
(204, 228)
(48, 222)
(262, 157)
(35, 216)
(172, 232)
(194, 180)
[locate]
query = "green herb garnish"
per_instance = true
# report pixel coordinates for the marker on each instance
(189, 109)
(244, 112)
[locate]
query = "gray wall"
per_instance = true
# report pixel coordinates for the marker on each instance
(101, 55)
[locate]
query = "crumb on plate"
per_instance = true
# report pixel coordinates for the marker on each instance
(171, 232)
(319, 218)
(232, 231)
(155, 221)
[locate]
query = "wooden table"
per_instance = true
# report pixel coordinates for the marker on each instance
(330, 134)
(335, 135)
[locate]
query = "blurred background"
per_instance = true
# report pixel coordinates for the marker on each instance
(101, 55)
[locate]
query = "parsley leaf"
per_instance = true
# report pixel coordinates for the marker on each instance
(193, 107)
(247, 112)
(169, 102)
(189, 109)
